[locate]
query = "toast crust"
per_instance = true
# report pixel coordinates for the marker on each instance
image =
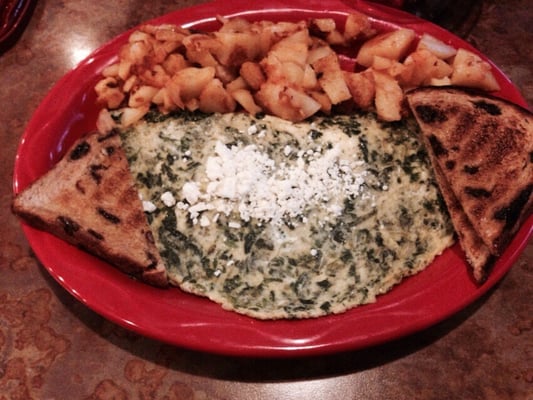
(89, 199)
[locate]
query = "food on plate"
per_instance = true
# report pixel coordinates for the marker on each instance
(252, 166)
(482, 149)
(89, 199)
(276, 219)
(292, 70)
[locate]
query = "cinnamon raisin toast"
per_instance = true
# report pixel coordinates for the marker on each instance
(482, 149)
(89, 199)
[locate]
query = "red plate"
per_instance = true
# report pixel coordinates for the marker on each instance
(196, 323)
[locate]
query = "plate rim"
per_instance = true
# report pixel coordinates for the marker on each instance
(283, 348)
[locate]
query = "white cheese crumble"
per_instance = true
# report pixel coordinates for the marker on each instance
(245, 180)
(148, 206)
(168, 199)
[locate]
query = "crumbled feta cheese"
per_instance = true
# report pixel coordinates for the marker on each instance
(148, 206)
(168, 199)
(252, 129)
(246, 180)
(191, 192)
(204, 221)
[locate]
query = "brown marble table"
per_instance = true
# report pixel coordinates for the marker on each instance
(53, 347)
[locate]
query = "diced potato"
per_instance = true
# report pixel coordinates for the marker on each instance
(172, 96)
(309, 80)
(109, 93)
(140, 36)
(323, 24)
(446, 81)
(215, 98)
(156, 77)
(174, 62)
(142, 96)
(199, 49)
(331, 78)
(357, 24)
(252, 73)
(422, 66)
(393, 45)
(381, 63)
(388, 97)
(111, 70)
(170, 33)
(436, 46)
(237, 84)
(246, 100)
(130, 84)
(237, 24)
(305, 104)
(318, 52)
(292, 73)
(130, 115)
(104, 121)
(135, 52)
(470, 70)
(335, 38)
(362, 88)
(323, 99)
(236, 48)
(294, 48)
(273, 97)
(163, 100)
(192, 81)
(124, 69)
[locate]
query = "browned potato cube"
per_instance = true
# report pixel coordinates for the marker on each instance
(392, 45)
(331, 78)
(252, 73)
(389, 97)
(362, 88)
(214, 98)
(357, 24)
(470, 70)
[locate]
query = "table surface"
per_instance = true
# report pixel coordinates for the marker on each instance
(53, 347)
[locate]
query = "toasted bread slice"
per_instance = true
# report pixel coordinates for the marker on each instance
(476, 251)
(89, 199)
(483, 147)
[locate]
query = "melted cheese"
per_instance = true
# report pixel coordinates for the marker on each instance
(281, 220)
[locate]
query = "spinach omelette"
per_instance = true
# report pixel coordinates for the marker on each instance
(275, 219)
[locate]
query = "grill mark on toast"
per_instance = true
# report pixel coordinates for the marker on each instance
(108, 216)
(81, 150)
(79, 187)
(511, 213)
(70, 227)
(437, 146)
(95, 234)
(477, 192)
(450, 164)
(489, 108)
(430, 114)
(471, 169)
(95, 172)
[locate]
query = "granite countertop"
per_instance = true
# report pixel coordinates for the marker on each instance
(54, 347)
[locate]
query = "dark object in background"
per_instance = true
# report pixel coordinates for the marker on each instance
(14, 16)
(457, 16)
